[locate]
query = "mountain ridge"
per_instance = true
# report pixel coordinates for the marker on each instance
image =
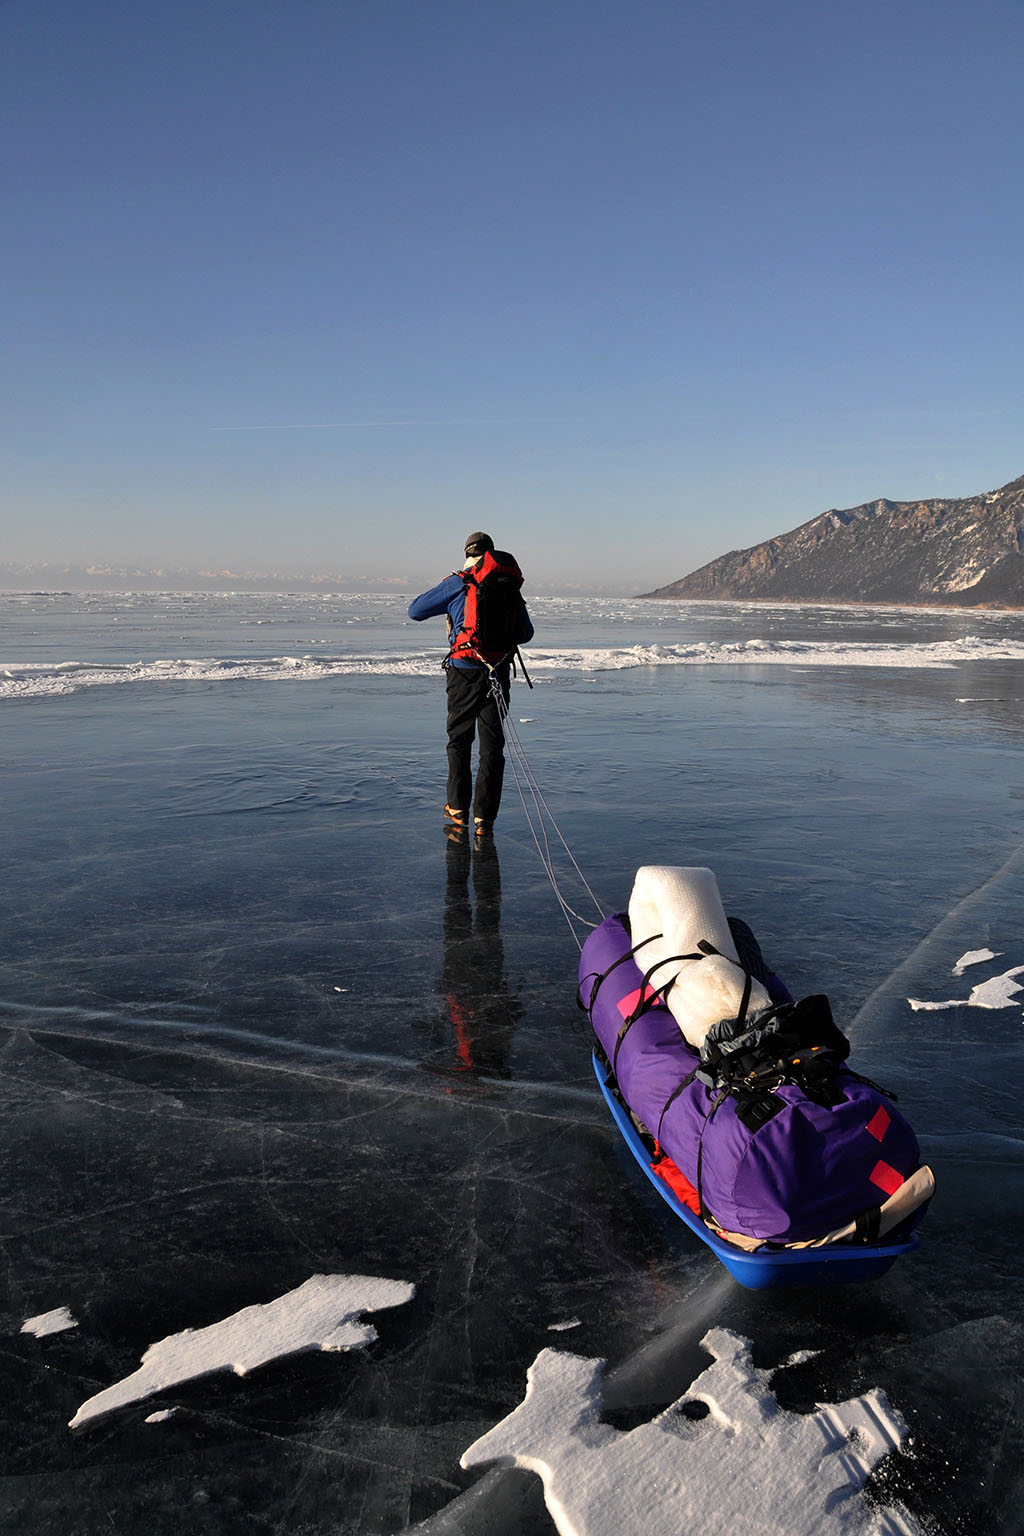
(941, 552)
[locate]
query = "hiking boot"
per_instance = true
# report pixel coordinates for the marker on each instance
(457, 818)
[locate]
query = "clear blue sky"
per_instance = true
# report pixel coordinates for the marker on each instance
(323, 285)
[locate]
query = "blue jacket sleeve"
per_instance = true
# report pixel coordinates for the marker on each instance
(430, 605)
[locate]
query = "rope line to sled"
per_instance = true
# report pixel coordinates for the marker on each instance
(526, 780)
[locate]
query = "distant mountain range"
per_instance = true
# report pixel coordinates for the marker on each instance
(963, 553)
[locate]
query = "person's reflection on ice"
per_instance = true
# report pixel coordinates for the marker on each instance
(480, 1011)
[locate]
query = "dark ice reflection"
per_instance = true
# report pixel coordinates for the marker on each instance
(478, 1011)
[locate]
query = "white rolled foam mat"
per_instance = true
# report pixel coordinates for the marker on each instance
(683, 905)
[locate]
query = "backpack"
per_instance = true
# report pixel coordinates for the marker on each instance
(790, 1043)
(493, 607)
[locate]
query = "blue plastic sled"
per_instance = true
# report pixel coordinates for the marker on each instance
(772, 1268)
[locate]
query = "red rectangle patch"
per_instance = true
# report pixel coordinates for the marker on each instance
(886, 1177)
(879, 1123)
(627, 1005)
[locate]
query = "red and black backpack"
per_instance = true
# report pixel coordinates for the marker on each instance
(491, 616)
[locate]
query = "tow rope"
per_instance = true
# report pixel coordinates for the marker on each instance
(538, 813)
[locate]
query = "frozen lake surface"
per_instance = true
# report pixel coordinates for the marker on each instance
(260, 1021)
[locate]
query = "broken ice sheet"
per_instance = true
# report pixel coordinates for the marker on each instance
(57, 1321)
(322, 1313)
(998, 992)
(723, 1458)
(973, 957)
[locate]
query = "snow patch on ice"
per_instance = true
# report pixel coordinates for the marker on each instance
(323, 1313)
(740, 1466)
(974, 957)
(57, 1321)
(998, 992)
(570, 1322)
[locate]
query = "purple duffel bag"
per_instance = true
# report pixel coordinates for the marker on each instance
(808, 1170)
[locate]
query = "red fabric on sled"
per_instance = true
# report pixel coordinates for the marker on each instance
(677, 1182)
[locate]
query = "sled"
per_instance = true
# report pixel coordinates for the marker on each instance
(770, 1268)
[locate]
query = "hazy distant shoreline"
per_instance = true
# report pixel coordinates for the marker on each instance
(151, 584)
(50, 579)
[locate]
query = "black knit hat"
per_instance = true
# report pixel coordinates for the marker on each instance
(479, 543)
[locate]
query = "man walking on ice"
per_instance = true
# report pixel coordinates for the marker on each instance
(487, 620)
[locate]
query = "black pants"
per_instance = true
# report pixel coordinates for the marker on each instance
(473, 710)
